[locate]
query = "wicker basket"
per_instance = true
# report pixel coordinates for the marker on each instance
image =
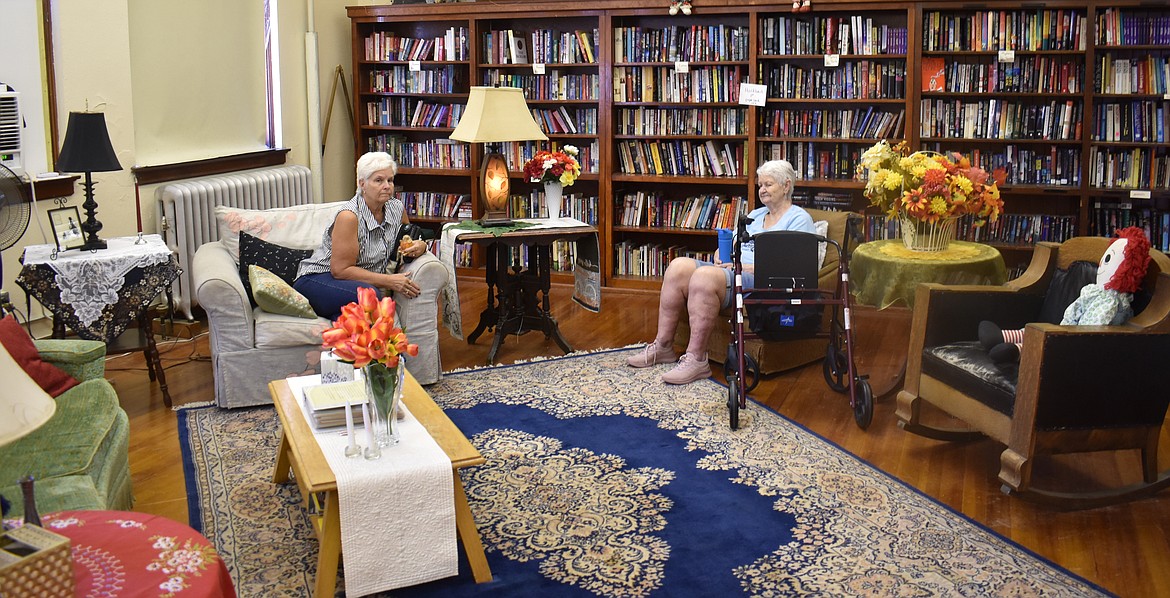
(35, 562)
(918, 235)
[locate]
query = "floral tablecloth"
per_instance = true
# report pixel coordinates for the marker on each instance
(98, 294)
(120, 553)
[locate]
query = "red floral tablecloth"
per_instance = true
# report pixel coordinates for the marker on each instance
(119, 553)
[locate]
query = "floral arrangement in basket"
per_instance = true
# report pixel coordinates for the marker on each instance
(928, 186)
(557, 166)
(366, 333)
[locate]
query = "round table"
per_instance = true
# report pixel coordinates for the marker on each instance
(885, 273)
(120, 553)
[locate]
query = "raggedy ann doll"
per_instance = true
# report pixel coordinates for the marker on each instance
(1105, 303)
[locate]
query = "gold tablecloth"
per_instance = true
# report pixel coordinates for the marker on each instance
(885, 273)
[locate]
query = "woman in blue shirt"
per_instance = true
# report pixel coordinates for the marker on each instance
(356, 248)
(703, 288)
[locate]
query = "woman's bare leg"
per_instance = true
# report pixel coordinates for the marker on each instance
(675, 286)
(708, 287)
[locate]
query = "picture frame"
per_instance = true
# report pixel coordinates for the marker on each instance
(66, 225)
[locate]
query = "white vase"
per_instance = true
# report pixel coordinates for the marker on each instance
(553, 194)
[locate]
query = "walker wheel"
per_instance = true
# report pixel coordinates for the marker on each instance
(733, 402)
(751, 369)
(862, 403)
(836, 369)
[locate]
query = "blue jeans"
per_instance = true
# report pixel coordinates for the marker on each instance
(328, 295)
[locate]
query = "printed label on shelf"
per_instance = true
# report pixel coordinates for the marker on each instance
(414, 66)
(682, 66)
(1139, 194)
(1124, 205)
(1007, 55)
(753, 94)
(832, 60)
(538, 68)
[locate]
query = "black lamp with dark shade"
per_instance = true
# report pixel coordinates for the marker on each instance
(87, 149)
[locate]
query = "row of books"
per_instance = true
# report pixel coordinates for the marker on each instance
(701, 212)
(548, 47)
(835, 161)
(410, 112)
(1027, 74)
(573, 205)
(1009, 229)
(856, 35)
(1105, 218)
(694, 43)
(632, 258)
(516, 153)
(1113, 168)
(861, 79)
(665, 84)
(566, 121)
(1132, 27)
(554, 84)
(993, 30)
(432, 79)
(999, 119)
(833, 201)
(388, 46)
(1027, 164)
(858, 123)
(681, 158)
(1140, 121)
(431, 204)
(661, 122)
(431, 153)
(1139, 74)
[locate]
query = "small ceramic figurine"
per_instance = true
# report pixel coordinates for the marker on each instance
(680, 5)
(801, 5)
(1105, 303)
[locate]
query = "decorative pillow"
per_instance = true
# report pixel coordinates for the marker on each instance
(276, 296)
(822, 228)
(279, 260)
(49, 377)
(299, 227)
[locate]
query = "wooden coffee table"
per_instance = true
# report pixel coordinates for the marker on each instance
(300, 454)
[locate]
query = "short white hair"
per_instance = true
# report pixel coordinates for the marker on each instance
(372, 162)
(777, 170)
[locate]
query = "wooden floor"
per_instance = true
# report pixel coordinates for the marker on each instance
(1125, 548)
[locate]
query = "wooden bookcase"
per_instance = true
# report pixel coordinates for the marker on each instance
(669, 153)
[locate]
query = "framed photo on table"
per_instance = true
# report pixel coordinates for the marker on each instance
(66, 223)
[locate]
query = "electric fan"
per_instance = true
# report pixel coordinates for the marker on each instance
(14, 216)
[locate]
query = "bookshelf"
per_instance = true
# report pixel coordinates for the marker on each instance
(1070, 99)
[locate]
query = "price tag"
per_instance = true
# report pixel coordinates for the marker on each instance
(752, 94)
(1007, 55)
(1139, 194)
(832, 60)
(414, 66)
(538, 68)
(1166, 96)
(682, 66)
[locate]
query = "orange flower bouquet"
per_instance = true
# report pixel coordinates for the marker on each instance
(367, 336)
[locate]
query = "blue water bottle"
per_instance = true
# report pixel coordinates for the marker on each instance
(725, 245)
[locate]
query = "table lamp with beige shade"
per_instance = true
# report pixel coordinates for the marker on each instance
(24, 406)
(494, 115)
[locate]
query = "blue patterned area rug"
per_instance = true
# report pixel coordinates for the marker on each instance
(602, 481)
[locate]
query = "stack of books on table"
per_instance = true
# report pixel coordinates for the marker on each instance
(325, 403)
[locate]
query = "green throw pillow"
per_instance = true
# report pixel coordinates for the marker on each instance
(275, 296)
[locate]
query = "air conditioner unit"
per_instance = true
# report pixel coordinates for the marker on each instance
(10, 126)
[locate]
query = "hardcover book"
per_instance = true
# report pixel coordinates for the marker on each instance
(934, 74)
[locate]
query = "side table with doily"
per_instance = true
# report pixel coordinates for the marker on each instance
(99, 294)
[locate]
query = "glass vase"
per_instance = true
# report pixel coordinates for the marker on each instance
(553, 194)
(384, 391)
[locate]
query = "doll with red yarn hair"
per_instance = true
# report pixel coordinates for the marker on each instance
(1106, 303)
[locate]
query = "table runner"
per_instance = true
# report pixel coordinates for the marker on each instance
(586, 268)
(397, 513)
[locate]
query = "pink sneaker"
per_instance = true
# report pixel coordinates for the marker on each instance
(688, 370)
(652, 355)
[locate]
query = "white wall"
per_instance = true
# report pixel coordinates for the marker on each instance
(93, 68)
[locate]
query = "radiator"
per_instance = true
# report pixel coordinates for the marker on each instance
(186, 212)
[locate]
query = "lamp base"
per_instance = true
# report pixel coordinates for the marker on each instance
(487, 222)
(93, 245)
